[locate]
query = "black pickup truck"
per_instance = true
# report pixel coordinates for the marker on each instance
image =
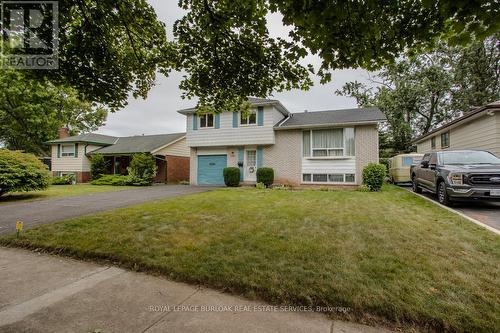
(456, 175)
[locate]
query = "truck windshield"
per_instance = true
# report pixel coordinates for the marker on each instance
(469, 157)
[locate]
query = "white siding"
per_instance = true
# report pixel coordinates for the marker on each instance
(226, 135)
(329, 166)
(80, 163)
(481, 133)
(178, 148)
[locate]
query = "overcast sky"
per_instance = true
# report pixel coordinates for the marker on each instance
(158, 113)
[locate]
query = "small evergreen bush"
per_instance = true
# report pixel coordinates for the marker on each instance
(142, 169)
(373, 176)
(232, 176)
(63, 180)
(97, 166)
(265, 176)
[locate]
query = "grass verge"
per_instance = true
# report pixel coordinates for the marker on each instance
(57, 191)
(390, 257)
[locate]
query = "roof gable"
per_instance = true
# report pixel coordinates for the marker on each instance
(332, 117)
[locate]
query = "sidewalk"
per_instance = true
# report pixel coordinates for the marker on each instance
(43, 293)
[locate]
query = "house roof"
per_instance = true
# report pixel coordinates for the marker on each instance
(469, 116)
(139, 144)
(254, 101)
(94, 138)
(332, 117)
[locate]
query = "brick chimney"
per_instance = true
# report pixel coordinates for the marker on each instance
(63, 132)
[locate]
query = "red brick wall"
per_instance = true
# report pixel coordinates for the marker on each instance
(161, 176)
(177, 168)
(83, 177)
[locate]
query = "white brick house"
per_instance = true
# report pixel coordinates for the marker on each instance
(326, 147)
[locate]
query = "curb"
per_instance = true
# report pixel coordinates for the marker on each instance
(481, 224)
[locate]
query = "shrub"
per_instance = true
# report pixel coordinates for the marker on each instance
(142, 169)
(232, 176)
(260, 186)
(63, 180)
(97, 166)
(21, 172)
(373, 176)
(116, 180)
(265, 176)
(119, 180)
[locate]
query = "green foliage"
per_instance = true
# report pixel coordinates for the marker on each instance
(120, 180)
(143, 168)
(97, 166)
(63, 180)
(260, 186)
(373, 176)
(420, 93)
(232, 176)
(265, 176)
(21, 172)
(110, 49)
(32, 110)
(228, 53)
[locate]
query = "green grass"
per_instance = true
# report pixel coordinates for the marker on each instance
(391, 257)
(56, 191)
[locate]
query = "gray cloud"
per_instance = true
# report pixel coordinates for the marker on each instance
(158, 113)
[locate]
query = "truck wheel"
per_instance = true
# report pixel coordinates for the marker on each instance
(415, 186)
(442, 195)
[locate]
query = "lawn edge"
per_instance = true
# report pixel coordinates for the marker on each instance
(355, 316)
(470, 219)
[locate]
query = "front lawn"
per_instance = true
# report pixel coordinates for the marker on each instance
(55, 191)
(391, 257)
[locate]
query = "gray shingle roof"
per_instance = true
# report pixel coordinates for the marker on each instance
(254, 101)
(87, 137)
(332, 117)
(139, 144)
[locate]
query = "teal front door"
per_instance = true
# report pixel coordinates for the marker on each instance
(211, 169)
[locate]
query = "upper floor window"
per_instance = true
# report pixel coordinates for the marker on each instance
(445, 140)
(433, 142)
(207, 120)
(329, 142)
(248, 118)
(68, 150)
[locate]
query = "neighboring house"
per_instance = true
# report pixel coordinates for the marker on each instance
(477, 129)
(326, 147)
(71, 154)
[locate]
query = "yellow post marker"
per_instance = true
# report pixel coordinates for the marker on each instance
(19, 227)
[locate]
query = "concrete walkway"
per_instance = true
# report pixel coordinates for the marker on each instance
(51, 210)
(43, 293)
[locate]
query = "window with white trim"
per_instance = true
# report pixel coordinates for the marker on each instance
(68, 150)
(335, 142)
(207, 120)
(248, 118)
(332, 178)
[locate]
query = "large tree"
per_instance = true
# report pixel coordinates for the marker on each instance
(419, 93)
(109, 49)
(226, 49)
(32, 110)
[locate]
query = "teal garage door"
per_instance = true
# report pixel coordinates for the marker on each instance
(211, 169)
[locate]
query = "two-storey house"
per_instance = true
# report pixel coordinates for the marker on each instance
(325, 147)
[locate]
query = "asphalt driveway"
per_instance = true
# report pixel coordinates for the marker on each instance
(485, 212)
(51, 210)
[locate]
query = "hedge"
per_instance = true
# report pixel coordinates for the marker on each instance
(231, 176)
(265, 176)
(373, 176)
